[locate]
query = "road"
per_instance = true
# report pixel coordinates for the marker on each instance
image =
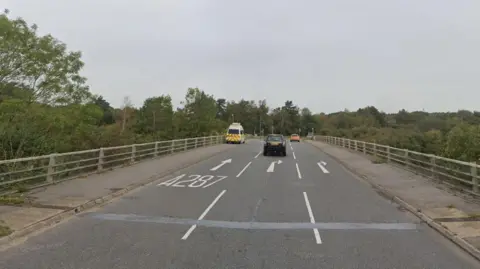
(241, 209)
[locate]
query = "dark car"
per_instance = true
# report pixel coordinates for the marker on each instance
(275, 143)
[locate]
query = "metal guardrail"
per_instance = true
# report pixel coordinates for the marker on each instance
(458, 174)
(26, 173)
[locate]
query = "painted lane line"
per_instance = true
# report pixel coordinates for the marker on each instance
(298, 171)
(312, 219)
(245, 168)
(258, 225)
(324, 170)
(258, 154)
(294, 157)
(187, 234)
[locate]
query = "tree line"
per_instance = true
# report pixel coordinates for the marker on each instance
(46, 106)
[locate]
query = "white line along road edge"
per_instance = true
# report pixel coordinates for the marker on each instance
(245, 168)
(312, 219)
(298, 171)
(256, 156)
(294, 157)
(185, 236)
(324, 170)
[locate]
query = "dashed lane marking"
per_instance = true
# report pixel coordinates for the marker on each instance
(312, 219)
(187, 234)
(298, 171)
(243, 170)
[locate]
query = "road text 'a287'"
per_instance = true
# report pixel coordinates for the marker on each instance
(192, 181)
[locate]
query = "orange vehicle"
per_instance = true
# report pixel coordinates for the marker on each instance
(294, 137)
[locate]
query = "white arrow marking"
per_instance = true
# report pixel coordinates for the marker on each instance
(323, 163)
(220, 165)
(271, 168)
(325, 171)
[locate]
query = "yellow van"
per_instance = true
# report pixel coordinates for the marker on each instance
(235, 134)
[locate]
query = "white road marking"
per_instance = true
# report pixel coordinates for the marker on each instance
(298, 171)
(187, 234)
(245, 168)
(312, 219)
(221, 164)
(271, 168)
(294, 155)
(323, 163)
(324, 170)
(258, 154)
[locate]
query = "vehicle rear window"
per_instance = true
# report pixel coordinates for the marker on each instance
(274, 138)
(233, 131)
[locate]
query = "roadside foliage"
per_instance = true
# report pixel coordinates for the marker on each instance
(46, 106)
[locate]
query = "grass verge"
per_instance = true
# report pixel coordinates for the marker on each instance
(4, 229)
(13, 199)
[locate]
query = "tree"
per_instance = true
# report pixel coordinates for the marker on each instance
(41, 65)
(156, 117)
(108, 117)
(46, 106)
(221, 108)
(127, 111)
(200, 112)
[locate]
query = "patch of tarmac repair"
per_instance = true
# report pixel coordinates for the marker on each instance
(256, 225)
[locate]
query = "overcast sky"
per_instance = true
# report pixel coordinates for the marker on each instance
(325, 55)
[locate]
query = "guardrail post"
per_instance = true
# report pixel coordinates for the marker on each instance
(211, 140)
(473, 170)
(388, 153)
(375, 149)
(364, 147)
(407, 158)
(101, 154)
(134, 149)
(155, 152)
(172, 147)
(186, 145)
(196, 142)
(51, 168)
(343, 142)
(432, 163)
(204, 141)
(356, 146)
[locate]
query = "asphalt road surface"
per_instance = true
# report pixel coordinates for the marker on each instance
(241, 209)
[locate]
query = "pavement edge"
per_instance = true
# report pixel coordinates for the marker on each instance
(46, 223)
(469, 248)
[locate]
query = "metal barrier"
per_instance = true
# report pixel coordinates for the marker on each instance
(25, 173)
(458, 174)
